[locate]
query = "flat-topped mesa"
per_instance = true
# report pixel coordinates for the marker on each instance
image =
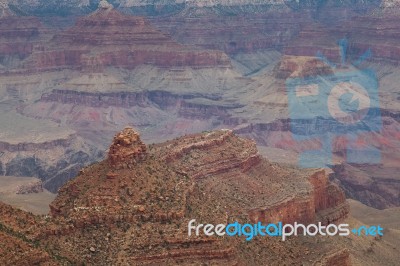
(126, 150)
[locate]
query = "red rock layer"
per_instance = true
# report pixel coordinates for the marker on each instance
(380, 33)
(324, 196)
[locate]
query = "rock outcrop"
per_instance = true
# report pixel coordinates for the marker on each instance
(126, 149)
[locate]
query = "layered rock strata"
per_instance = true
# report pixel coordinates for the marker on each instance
(213, 177)
(108, 38)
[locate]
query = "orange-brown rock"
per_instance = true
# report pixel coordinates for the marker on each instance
(138, 215)
(126, 150)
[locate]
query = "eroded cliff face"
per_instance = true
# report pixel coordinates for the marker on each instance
(168, 113)
(327, 204)
(139, 213)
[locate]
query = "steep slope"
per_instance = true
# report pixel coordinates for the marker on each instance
(19, 229)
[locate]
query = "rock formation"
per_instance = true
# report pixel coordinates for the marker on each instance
(20, 185)
(34, 187)
(108, 38)
(139, 214)
(111, 69)
(126, 149)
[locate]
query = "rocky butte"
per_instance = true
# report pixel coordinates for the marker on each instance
(133, 208)
(109, 38)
